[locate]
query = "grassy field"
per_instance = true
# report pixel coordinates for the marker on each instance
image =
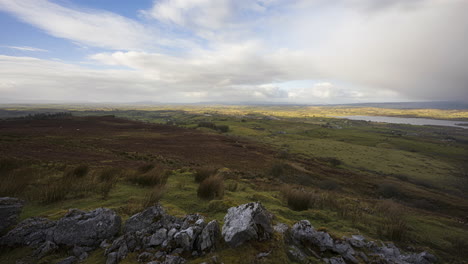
(350, 170)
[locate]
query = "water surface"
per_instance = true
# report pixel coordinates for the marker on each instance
(408, 120)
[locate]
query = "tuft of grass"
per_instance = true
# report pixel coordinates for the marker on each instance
(153, 196)
(394, 225)
(203, 173)
(387, 190)
(154, 177)
(15, 182)
(146, 167)
(211, 188)
(54, 191)
(109, 174)
(298, 200)
(77, 172)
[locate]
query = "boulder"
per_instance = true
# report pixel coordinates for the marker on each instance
(208, 237)
(421, 258)
(150, 220)
(158, 238)
(335, 260)
(345, 250)
(69, 260)
(246, 222)
(45, 249)
(10, 209)
(303, 233)
(356, 241)
(86, 228)
(30, 232)
(174, 260)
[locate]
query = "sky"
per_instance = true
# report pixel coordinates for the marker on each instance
(269, 51)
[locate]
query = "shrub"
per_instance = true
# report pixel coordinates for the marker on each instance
(109, 174)
(387, 190)
(207, 125)
(277, 170)
(210, 188)
(153, 196)
(222, 128)
(156, 176)
(78, 171)
(329, 185)
(14, 183)
(145, 168)
(298, 200)
(54, 191)
(202, 173)
(7, 165)
(393, 225)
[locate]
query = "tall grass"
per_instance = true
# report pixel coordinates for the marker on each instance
(211, 188)
(153, 197)
(203, 173)
(155, 176)
(393, 224)
(79, 171)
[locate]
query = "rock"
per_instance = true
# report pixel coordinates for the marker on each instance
(30, 232)
(10, 209)
(209, 236)
(356, 241)
(150, 220)
(246, 222)
(303, 233)
(281, 228)
(421, 258)
(145, 257)
(160, 254)
(112, 258)
(345, 250)
(69, 260)
(184, 239)
(80, 252)
(104, 244)
(45, 249)
(86, 228)
(295, 254)
(174, 260)
(158, 238)
(263, 254)
(335, 260)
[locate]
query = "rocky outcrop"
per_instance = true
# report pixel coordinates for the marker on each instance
(246, 222)
(153, 230)
(30, 232)
(77, 227)
(82, 230)
(87, 229)
(307, 242)
(10, 209)
(161, 238)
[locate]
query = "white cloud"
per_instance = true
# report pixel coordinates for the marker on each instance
(26, 48)
(88, 27)
(242, 50)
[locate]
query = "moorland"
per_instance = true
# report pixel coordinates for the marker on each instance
(391, 182)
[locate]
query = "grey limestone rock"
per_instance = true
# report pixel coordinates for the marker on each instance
(10, 209)
(246, 222)
(86, 228)
(304, 234)
(29, 232)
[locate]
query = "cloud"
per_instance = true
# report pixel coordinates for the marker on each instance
(89, 27)
(26, 48)
(229, 50)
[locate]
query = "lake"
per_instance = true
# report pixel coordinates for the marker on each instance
(407, 120)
